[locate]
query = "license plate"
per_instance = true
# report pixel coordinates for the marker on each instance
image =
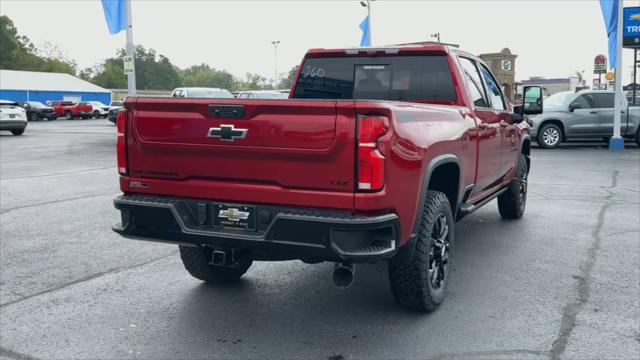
(237, 217)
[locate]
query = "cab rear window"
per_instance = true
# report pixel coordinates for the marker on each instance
(403, 78)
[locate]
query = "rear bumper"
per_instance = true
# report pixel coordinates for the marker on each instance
(281, 233)
(12, 124)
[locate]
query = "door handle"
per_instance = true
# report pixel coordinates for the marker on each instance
(593, 113)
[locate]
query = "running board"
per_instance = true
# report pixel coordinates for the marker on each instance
(466, 209)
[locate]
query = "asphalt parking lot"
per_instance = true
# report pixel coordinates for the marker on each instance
(563, 282)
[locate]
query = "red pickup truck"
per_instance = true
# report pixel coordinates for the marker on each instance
(71, 110)
(373, 158)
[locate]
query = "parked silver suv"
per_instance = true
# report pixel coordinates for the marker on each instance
(582, 115)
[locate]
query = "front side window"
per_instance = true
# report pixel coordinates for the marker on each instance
(584, 102)
(474, 83)
(493, 90)
(402, 78)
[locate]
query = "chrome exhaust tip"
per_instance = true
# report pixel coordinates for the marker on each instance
(342, 276)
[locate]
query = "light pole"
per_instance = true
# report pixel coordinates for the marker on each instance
(275, 61)
(436, 36)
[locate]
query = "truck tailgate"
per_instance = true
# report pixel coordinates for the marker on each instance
(276, 144)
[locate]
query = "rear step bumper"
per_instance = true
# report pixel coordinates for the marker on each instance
(279, 233)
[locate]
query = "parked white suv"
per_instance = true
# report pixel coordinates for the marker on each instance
(199, 92)
(12, 117)
(99, 109)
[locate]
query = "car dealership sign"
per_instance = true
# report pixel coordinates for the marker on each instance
(600, 64)
(631, 27)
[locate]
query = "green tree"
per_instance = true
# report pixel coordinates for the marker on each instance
(110, 74)
(204, 76)
(18, 53)
(153, 72)
(287, 82)
(253, 82)
(10, 47)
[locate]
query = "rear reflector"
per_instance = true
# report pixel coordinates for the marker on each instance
(121, 144)
(370, 160)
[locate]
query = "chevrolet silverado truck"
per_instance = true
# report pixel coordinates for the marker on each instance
(71, 110)
(374, 156)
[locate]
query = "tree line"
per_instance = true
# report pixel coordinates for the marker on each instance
(153, 71)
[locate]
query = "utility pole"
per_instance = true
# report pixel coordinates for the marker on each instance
(275, 60)
(131, 77)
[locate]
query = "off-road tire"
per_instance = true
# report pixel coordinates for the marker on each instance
(551, 128)
(196, 261)
(17, 132)
(513, 201)
(68, 115)
(410, 280)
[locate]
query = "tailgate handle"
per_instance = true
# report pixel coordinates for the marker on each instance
(227, 111)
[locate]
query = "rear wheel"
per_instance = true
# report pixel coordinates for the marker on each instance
(33, 117)
(17, 132)
(420, 283)
(197, 262)
(549, 136)
(68, 115)
(512, 202)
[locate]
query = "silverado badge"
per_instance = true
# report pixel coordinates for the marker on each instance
(227, 133)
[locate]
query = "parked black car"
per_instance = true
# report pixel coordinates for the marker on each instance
(113, 110)
(38, 111)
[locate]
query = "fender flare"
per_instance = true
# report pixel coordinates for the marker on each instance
(406, 252)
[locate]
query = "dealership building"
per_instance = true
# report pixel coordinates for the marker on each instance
(43, 86)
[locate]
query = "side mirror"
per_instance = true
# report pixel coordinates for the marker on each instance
(532, 100)
(574, 106)
(518, 114)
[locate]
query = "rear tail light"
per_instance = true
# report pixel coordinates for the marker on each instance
(370, 160)
(121, 144)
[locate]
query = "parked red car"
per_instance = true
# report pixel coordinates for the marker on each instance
(71, 110)
(373, 158)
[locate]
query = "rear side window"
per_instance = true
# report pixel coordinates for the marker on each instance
(402, 78)
(605, 101)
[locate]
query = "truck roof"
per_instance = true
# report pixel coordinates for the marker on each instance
(388, 49)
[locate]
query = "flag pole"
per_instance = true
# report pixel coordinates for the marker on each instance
(616, 143)
(131, 77)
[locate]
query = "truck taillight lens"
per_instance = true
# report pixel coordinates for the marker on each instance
(370, 160)
(121, 144)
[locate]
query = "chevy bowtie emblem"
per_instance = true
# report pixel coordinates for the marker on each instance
(227, 133)
(233, 214)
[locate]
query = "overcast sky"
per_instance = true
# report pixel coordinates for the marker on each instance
(551, 38)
